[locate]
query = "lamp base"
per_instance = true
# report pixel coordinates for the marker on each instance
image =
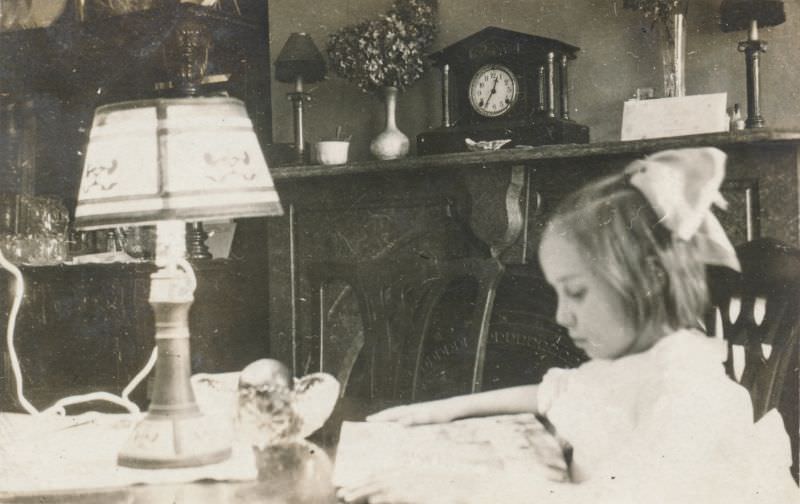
(161, 441)
(174, 433)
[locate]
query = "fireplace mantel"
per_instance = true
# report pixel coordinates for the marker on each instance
(540, 153)
(476, 205)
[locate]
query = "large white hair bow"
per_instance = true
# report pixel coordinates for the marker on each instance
(682, 185)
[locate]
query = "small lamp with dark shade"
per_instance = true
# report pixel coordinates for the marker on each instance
(299, 62)
(737, 15)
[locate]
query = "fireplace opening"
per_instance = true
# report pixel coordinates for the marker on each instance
(371, 336)
(523, 341)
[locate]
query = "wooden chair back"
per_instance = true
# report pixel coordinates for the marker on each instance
(758, 314)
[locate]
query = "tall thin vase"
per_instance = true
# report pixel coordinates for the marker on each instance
(672, 39)
(391, 143)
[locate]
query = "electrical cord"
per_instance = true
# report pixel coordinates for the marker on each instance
(59, 406)
(19, 291)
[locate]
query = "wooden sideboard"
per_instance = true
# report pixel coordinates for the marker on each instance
(395, 219)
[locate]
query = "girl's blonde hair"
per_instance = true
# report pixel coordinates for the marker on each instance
(657, 276)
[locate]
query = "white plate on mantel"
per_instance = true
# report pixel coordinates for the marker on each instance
(485, 145)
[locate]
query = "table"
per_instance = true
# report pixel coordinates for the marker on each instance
(302, 472)
(301, 478)
(299, 474)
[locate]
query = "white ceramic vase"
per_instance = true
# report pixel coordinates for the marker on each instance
(391, 143)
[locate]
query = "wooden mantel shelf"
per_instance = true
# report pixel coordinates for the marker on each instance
(545, 152)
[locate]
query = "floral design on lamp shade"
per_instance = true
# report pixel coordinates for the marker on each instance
(236, 165)
(100, 177)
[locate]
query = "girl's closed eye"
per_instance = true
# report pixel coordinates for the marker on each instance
(576, 293)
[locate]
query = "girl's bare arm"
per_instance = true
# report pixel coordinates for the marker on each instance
(521, 399)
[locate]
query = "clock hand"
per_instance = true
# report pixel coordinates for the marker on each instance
(492, 91)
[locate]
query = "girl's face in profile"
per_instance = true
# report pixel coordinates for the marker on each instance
(588, 307)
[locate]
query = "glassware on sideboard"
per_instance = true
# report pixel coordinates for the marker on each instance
(33, 229)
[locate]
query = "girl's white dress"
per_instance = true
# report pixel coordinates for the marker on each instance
(667, 425)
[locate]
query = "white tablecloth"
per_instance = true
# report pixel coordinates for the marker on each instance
(51, 453)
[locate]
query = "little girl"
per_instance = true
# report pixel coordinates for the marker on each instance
(652, 417)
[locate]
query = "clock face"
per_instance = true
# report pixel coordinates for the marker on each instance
(493, 90)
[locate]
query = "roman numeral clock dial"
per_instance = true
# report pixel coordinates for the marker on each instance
(493, 90)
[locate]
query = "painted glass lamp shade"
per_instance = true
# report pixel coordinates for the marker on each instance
(173, 159)
(165, 162)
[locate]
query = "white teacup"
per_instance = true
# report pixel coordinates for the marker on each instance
(332, 152)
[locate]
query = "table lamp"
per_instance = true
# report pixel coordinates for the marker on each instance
(166, 162)
(748, 15)
(299, 62)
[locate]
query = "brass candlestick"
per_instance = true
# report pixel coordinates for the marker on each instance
(748, 15)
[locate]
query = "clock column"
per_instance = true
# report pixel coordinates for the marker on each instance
(551, 88)
(446, 96)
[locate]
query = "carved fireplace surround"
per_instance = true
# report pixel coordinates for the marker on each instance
(418, 278)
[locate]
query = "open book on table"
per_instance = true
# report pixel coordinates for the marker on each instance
(509, 443)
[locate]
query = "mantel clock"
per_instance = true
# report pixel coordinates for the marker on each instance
(500, 84)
